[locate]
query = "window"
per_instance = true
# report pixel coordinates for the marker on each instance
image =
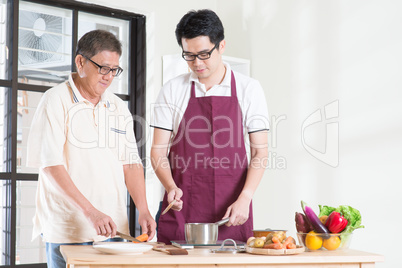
(37, 49)
(88, 22)
(44, 44)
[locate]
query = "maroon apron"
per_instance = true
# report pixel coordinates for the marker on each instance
(209, 163)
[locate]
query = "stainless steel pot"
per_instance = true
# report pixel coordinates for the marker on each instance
(203, 233)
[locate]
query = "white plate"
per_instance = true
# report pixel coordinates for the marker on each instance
(121, 247)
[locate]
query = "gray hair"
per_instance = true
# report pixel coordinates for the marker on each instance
(97, 41)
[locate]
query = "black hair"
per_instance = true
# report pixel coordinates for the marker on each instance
(97, 41)
(203, 22)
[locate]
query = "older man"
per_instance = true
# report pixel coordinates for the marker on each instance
(83, 143)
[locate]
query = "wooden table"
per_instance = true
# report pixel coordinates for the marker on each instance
(86, 256)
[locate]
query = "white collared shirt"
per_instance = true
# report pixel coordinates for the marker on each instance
(93, 142)
(174, 96)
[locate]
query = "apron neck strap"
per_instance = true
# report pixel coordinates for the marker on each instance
(192, 90)
(233, 85)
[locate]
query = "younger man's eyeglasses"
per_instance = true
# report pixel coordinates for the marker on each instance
(202, 55)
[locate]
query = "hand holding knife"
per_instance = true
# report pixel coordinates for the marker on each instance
(128, 237)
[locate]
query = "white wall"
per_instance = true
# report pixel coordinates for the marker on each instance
(344, 55)
(308, 55)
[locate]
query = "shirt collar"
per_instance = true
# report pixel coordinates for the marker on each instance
(77, 97)
(226, 81)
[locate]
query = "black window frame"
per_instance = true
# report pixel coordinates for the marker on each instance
(135, 97)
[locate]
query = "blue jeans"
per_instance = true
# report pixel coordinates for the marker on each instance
(54, 257)
(158, 214)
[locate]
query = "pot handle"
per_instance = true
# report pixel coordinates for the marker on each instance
(222, 222)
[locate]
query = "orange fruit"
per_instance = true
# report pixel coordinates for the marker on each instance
(332, 243)
(313, 241)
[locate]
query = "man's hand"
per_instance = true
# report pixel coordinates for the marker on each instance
(148, 225)
(238, 212)
(175, 194)
(103, 224)
(60, 178)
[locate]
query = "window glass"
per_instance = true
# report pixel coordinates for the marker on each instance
(5, 215)
(44, 50)
(27, 103)
(27, 251)
(3, 40)
(4, 158)
(88, 22)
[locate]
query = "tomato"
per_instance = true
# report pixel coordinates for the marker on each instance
(332, 243)
(313, 241)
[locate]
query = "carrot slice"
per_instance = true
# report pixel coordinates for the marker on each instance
(143, 237)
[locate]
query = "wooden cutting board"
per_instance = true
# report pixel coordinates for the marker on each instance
(265, 251)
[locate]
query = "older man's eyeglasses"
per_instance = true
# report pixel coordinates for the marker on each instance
(202, 55)
(104, 70)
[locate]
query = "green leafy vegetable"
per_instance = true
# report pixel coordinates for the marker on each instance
(325, 210)
(351, 214)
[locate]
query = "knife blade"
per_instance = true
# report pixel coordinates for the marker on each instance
(169, 206)
(128, 237)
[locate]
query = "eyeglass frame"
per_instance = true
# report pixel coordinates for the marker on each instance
(198, 54)
(119, 70)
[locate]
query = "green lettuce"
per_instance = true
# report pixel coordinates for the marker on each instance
(325, 210)
(351, 214)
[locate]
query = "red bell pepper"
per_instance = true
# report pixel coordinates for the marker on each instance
(336, 223)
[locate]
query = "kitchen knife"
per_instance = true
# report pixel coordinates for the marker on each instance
(128, 237)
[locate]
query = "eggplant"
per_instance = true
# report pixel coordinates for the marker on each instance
(302, 224)
(318, 226)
